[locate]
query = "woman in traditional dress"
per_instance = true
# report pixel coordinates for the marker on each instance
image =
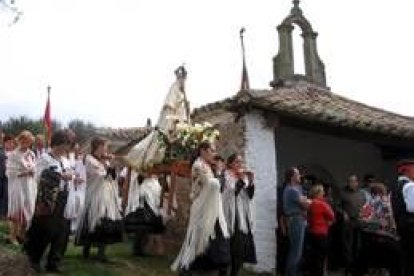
(144, 202)
(77, 188)
(237, 196)
(101, 221)
(206, 244)
(20, 170)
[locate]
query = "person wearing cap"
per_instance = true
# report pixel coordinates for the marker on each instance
(402, 201)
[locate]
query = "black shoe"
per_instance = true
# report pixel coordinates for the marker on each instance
(36, 267)
(86, 252)
(103, 259)
(183, 272)
(53, 269)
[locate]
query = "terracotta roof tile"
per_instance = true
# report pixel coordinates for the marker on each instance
(124, 134)
(317, 104)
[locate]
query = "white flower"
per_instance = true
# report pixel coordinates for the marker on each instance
(211, 139)
(207, 125)
(181, 126)
(205, 138)
(186, 137)
(198, 128)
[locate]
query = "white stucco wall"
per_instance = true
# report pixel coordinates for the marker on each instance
(260, 154)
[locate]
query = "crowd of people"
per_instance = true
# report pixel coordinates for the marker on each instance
(359, 229)
(49, 193)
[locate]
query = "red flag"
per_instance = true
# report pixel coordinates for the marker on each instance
(47, 121)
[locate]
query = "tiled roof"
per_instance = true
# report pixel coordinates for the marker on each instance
(123, 139)
(315, 104)
(123, 134)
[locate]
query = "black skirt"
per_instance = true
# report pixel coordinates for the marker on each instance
(3, 197)
(217, 255)
(243, 247)
(107, 231)
(144, 218)
(158, 227)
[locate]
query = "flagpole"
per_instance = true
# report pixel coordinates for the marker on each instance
(47, 119)
(245, 78)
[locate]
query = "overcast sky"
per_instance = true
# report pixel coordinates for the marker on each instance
(112, 62)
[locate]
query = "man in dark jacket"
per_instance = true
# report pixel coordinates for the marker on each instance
(49, 227)
(352, 200)
(402, 200)
(8, 146)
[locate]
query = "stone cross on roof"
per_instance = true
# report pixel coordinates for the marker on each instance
(296, 9)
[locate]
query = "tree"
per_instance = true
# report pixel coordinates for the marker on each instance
(15, 125)
(83, 130)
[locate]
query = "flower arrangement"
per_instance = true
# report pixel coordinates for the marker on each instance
(181, 143)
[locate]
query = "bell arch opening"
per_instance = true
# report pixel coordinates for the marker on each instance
(298, 51)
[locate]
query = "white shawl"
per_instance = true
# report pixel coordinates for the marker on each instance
(205, 210)
(101, 198)
(149, 190)
(243, 205)
(22, 191)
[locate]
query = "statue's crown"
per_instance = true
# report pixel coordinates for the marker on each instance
(180, 72)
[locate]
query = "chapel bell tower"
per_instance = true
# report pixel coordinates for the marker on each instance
(283, 62)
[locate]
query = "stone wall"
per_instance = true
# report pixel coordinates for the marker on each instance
(231, 131)
(176, 228)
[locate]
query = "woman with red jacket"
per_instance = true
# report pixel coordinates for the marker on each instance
(320, 218)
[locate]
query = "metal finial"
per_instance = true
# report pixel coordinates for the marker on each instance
(242, 30)
(296, 9)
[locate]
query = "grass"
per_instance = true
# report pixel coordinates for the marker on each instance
(123, 263)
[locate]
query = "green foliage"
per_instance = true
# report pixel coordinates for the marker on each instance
(84, 130)
(15, 125)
